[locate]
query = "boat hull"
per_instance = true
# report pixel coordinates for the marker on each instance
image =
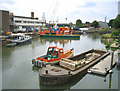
(41, 63)
(20, 42)
(61, 36)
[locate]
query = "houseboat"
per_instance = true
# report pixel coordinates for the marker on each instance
(68, 69)
(54, 54)
(19, 38)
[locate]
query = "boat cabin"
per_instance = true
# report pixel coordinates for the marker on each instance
(54, 52)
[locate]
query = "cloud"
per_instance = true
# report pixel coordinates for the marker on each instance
(86, 10)
(87, 5)
(10, 2)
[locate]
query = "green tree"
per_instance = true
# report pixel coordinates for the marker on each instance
(116, 32)
(79, 23)
(116, 22)
(95, 24)
(110, 23)
(87, 22)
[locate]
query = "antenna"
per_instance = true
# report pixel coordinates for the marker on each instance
(43, 17)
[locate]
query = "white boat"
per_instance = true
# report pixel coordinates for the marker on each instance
(19, 38)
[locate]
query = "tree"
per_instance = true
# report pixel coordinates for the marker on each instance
(116, 32)
(87, 22)
(116, 22)
(111, 23)
(79, 23)
(95, 24)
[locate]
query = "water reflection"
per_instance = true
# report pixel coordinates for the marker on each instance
(56, 41)
(35, 68)
(63, 87)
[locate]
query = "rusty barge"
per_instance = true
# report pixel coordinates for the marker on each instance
(68, 69)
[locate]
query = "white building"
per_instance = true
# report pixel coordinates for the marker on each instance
(21, 23)
(119, 7)
(103, 24)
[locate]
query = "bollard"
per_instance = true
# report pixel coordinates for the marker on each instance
(46, 71)
(112, 60)
(68, 72)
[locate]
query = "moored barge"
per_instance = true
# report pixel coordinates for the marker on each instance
(70, 68)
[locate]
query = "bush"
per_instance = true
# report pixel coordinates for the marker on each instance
(106, 36)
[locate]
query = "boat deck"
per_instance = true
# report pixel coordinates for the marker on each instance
(104, 66)
(57, 70)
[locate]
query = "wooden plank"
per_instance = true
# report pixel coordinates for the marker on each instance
(104, 66)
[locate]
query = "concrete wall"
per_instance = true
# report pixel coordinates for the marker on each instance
(0, 21)
(4, 19)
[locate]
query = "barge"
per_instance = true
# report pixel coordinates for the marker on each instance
(69, 69)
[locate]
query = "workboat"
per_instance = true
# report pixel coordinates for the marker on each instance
(58, 33)
(54, 54)
(70, 68)
(19, 38)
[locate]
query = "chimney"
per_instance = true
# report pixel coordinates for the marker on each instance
(105, 19)
(32, 14)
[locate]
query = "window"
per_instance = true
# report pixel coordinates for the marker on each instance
(18, 21)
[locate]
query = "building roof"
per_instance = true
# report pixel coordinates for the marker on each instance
(25, 17)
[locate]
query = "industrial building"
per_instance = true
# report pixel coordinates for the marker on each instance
(4, 22)
(103, 24)
(21, 23)
(9, 22)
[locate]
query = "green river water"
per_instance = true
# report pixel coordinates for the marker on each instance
(19, 73)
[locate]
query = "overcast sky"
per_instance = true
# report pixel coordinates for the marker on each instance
(86, 10)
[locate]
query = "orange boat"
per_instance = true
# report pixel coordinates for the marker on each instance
(54, 54)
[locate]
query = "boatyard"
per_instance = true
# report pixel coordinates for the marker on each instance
(59, 45)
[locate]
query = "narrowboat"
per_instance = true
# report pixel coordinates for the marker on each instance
(70, 68)
(54, 54)
(19, 38)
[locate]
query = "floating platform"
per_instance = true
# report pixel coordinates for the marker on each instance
(104, 66)
(61, 36)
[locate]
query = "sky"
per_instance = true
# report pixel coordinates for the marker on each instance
(59, 10)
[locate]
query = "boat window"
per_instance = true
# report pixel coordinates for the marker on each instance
(55, 49)
(61, 51)
(56, 52)
(50, 50)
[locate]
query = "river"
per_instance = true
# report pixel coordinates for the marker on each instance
(19, 73)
